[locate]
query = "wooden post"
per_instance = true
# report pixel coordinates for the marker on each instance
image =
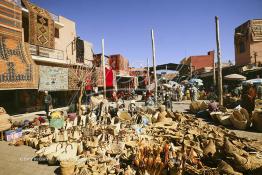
(154, 62)
(104, 68)
(220, 89)
(255, 56)
(214, 71)
(148, 71)
(191, 71)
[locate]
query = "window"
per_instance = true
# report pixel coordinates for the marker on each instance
(242, 47)
(56, 32)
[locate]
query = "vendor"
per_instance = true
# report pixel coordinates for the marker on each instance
(48, 103)
(248, 98)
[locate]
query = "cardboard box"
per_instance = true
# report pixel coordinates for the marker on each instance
(13, 134)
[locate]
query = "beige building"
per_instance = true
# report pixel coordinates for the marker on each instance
(248, 43)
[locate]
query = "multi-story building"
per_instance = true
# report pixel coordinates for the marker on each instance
(200, 61)
(248, 43)
(120, 64)
(38, 51)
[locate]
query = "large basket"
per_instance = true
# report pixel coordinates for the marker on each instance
(239, 119)
(5, 124)
(257, 120)
(56, 123)
(67, 167)
(195, 107)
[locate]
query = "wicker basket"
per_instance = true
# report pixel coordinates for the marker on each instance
(224, 120)
(195, 107)
(67, 167)
(4, 122)
(239, 120)
(257, 120)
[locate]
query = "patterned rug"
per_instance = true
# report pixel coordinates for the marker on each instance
(10, 20)
(17, 69)
(41, 26)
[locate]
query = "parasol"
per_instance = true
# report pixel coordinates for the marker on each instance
(235, 77)
(254, 81)
(196, 81)
(167, 85)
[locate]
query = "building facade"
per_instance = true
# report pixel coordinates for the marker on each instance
(38, 52)
(248, 43)
(200, 61)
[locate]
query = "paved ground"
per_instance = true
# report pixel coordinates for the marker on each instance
(18, 160)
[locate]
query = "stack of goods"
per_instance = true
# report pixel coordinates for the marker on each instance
(179, 144)
(5, 124)
(257, 120)
(57, 119)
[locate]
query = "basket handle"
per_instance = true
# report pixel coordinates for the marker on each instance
(67, 146)
(58, 145)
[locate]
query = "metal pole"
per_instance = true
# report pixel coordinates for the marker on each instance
(148, 73)
(214, 71)
(220, 89)
(154, 61)
(103, 67)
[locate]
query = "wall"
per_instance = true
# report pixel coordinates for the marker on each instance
(256, 47)
(202, 61)
(88, 54)
(67, 34)
(119, 63)
(242, 36)
(250, 34)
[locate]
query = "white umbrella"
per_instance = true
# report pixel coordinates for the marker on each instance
(254, 81)
(235, 77)
(167, 85)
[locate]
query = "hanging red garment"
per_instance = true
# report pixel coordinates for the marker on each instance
(88, 85)
(109, 77)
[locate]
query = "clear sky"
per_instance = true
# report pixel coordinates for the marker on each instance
(182, 27)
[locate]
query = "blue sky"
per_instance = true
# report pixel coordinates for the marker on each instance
(182, 28)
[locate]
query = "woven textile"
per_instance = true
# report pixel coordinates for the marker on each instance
(41, 26)
(74, 75)
(17, 69)
(110, 77)
(10, 20)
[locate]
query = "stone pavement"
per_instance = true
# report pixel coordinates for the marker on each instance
(18, 161)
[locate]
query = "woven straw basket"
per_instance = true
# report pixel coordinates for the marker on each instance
(240, 119)
(67, 167)
(257, 120)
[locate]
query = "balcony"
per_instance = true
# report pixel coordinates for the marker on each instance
(47, 55)
(17, 2)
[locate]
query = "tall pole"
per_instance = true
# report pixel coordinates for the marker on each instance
(148, 73)
(220, 89)
(154, 61)
(104, 67)
(214, 71)
(255, 56)
(191, 71)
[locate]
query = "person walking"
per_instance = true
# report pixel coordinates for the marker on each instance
(47, 102)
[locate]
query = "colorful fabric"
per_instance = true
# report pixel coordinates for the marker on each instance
(41, 28)
(10, 20)
(17, 69)
(109, 77)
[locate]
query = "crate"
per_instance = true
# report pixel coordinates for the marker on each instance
(13, 134)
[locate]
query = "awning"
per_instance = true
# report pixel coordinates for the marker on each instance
(235, 77)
